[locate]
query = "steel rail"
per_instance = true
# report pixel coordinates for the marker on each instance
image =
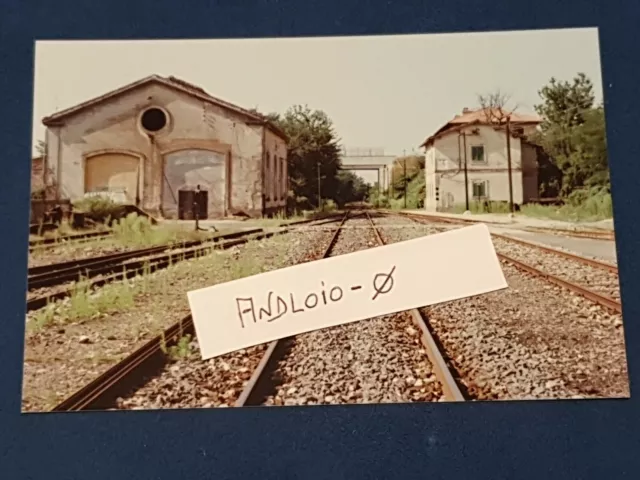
(58, 273)
(130, 270)
(72, 270)
(590, 234)
(103, 390)
(67, 238)
(67, 265)
(255, 390)
(602, 300)
(572, 256)
(450, 388)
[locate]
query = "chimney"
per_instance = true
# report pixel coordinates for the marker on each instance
(465, 110)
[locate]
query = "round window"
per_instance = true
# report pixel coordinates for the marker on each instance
(153, 120)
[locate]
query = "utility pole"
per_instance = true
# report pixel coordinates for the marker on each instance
(319, 192)
(466, 178)
(509, 163)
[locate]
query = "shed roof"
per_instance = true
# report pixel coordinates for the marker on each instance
(173, 83)
(481, 116)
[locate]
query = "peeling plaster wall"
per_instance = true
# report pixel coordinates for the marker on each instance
(113, 126)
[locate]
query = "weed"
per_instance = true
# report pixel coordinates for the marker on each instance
(182, 349)
(100, 209)
(138, 231)
(43, 317)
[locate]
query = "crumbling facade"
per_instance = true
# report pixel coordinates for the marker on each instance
(157, 141)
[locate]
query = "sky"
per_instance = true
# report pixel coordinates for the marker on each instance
(384, 92)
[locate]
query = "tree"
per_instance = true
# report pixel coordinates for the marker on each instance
(493, 105)
(313, 148)
(41, 148)
(351, 188)
(573, 133)
(412, 166)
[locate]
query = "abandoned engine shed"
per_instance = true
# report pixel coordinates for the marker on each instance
(156, 141)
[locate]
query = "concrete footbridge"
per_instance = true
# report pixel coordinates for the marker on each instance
(375, 159)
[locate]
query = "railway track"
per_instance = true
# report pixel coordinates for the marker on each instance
(590, 234)
(69, 271)
(98, 271)
(78, 237)
(130, 373)
(535, 340)
(580, 284)
(106, 271)
(460, 340)
(338, 344)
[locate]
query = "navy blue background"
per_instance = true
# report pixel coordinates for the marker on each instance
(560, 439)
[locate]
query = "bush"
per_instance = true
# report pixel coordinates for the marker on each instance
(381, 201)
(100, 209)
(329, 205)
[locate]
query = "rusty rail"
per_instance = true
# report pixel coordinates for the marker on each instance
(571, 256)
(590, 234)
(602, 300)
(260, 381)
(605, 301)
(77, 237)
(450, 388)
(130, 372)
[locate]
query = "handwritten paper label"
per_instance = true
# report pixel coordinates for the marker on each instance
(347, 288)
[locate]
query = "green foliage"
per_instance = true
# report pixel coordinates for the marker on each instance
(476, 207)
(41, 148)
(182, 349)
(411, 170)
(313, 152)
(313, 155)
(138, 231)
(100, 209)
(350, 188)
(582, 205)
(412, 166)
(573, 134)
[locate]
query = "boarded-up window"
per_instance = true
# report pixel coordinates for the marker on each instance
(284, 178)
(267, 176)
(277, 179)
(272, 177)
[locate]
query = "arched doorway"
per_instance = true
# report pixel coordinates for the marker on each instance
(115, 172)
(184, 171)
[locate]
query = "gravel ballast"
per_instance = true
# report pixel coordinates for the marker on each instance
(531, 340)
(69, 350)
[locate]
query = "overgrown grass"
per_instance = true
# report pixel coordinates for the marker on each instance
(476, 207)
(415, 196)
(223, 265)
(599, 207)
(134, 230)
(86, 305)
(100, 209)
(580, 206)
